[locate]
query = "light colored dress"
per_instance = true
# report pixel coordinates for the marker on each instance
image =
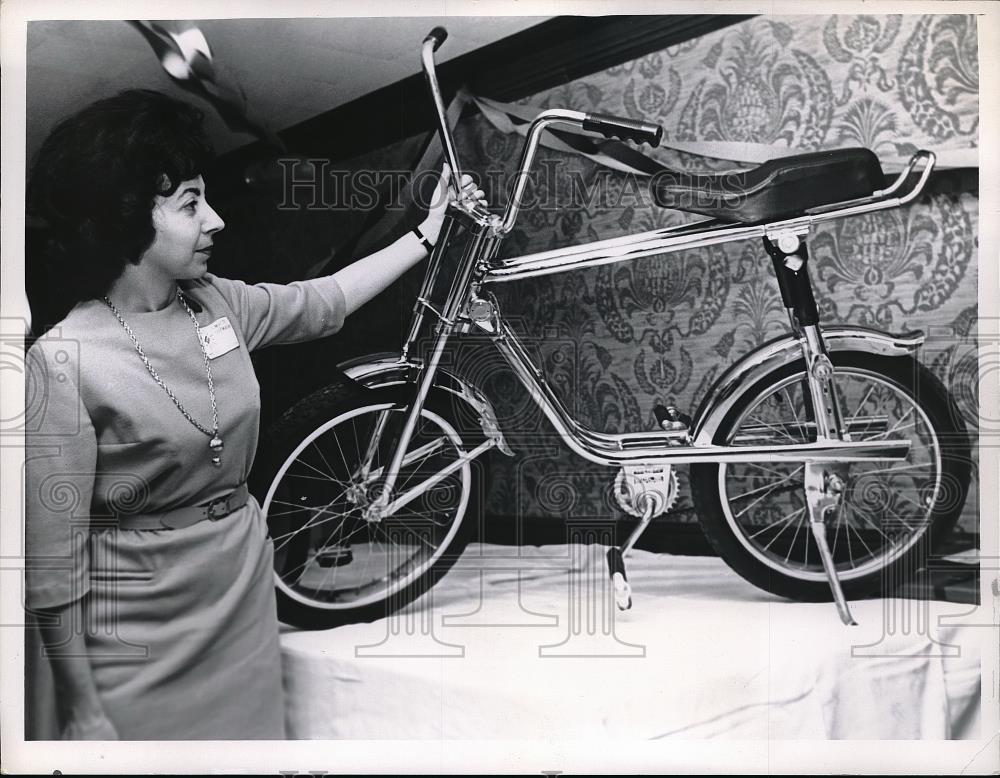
(181, 628)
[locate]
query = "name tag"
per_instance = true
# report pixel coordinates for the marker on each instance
(219, 337)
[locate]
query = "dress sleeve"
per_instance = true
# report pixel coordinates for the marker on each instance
(271, 314)
(60, 466)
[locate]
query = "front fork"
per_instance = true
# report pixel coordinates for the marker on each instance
(824, 483)
(480, 245)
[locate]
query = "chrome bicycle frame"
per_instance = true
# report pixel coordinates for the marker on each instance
(469, 307)
(466, 308)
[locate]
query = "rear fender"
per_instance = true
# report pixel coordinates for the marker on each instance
(783, 351)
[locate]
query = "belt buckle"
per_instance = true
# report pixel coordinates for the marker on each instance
(217, 508)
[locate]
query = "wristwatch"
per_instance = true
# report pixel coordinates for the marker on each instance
(423, 239)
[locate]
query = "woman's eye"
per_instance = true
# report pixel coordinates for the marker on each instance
(192, 206)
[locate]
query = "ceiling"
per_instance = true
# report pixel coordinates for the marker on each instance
(290, 69)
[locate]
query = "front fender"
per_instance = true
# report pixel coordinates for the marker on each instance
(377, 371)
(782, 351)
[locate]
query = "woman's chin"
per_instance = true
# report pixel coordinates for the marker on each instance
(198, 268)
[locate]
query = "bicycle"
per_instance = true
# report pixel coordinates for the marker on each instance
(839, 428)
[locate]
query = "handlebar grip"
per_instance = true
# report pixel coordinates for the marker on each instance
(439, 35)
(626, 129)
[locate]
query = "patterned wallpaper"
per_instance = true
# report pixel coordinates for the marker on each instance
(891, 83)
(617, 340)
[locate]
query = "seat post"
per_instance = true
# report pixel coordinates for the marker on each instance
(790, 258)
(824, 482)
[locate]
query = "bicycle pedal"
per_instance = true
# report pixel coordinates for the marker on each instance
(623, 592)
(335, 556)
(670, 419)
(619, 581)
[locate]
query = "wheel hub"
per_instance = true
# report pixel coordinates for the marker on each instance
(356, 495)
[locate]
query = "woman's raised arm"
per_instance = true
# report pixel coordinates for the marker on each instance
(366, 278)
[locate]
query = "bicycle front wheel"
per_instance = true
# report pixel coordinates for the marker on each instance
(333, 562)
(891, 514)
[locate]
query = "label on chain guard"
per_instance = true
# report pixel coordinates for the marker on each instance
(657, 480)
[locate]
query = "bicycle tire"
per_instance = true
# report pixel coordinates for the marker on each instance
(872, 495)
(312, 424)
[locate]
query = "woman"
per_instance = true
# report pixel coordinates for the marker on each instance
(148, 563)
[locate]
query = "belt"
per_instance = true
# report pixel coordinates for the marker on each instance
(213, 510)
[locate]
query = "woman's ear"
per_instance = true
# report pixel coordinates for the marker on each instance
(156, 214)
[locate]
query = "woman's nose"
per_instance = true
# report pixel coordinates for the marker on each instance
(213, 222)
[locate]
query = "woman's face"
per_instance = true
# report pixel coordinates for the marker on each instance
(185, 225)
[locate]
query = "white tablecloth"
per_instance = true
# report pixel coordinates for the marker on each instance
(526, 643)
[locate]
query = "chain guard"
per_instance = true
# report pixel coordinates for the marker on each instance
(657, 482)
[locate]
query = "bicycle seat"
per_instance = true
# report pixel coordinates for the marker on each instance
(778, 189)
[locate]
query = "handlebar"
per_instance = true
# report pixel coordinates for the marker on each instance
(437, 36)
(431, 43)
(608, 126)
(626, 129)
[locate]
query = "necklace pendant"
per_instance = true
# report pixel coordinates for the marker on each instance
(215, 444)
(217, 461)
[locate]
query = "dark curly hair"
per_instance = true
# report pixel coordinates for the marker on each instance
(94, 180)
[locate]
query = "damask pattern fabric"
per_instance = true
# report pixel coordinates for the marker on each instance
(893, 84)
(619, 339)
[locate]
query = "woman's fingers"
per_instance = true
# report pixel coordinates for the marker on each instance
(468, 191)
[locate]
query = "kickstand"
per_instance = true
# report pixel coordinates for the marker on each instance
(822, 495)
(616, 555)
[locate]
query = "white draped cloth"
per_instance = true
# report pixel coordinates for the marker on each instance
(526, 643)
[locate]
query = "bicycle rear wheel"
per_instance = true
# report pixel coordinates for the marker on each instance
(891, 515)
(332, 565)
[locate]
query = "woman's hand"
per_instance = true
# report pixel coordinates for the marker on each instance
(362, 280)
(444, 193)
(90, 726)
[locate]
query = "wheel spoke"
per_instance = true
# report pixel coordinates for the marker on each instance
(766, 493)
(311, 523)
(860, 536)
(904, 469)
(915, 504)
(383, 555)
(872, 524)
(773, 428)
(861, 404)
(877, 407)
(785, 520)
(321, 456)
(896, 426)
(325, 479)
(293, 509)
(770, 470)
(798, 527)
(900, 518)
(431, 448)
(799, 422)
(837, 521)
(325, 476)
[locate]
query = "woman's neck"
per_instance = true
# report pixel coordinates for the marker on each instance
(136, 291)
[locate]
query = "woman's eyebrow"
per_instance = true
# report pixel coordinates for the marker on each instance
(193, 190)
